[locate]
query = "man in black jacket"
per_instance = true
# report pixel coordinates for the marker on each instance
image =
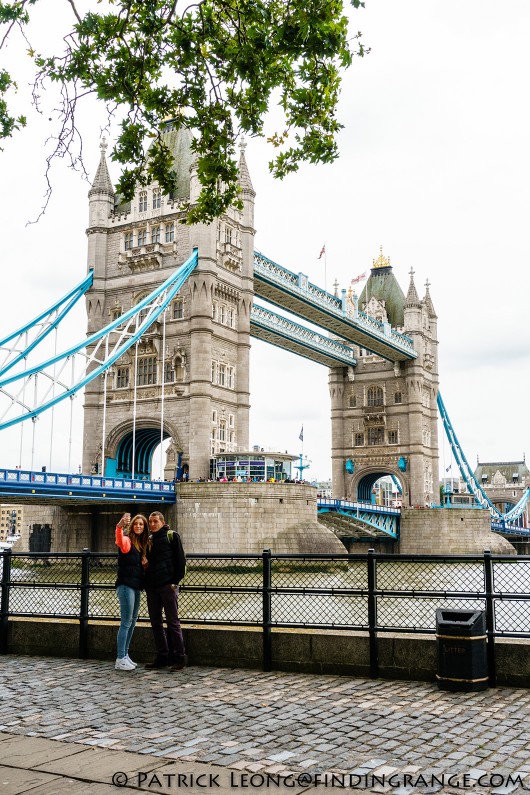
(161, 589)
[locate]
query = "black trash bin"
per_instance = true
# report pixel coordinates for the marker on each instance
(461, 650)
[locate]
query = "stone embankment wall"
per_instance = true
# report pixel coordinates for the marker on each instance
(249, 517)
(212, 518)
(401, 656)
(439, 531)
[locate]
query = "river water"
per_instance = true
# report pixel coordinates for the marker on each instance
(229, 592)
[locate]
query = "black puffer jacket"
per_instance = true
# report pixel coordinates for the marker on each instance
(130, 571)
(161, 562)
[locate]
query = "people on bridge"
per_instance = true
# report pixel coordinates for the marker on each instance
(130, 581)
(165, 568)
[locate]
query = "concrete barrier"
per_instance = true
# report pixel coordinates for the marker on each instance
(401, 656)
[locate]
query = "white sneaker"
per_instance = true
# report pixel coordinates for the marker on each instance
(131, 661)
(123, 664)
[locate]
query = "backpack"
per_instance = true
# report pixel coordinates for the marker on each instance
(179, 556)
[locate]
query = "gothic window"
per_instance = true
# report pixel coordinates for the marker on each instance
(142, 315)
(142, 201)
(214, 310)
(214, 416)
(157, 198)
(128, 240)
(230, 420)
(169, 373)
(222, 310)
(179, 368)
(122, 377)
(359, 439)
(392, 437)
(212, 441)
(375, 396)
(230, 379)
(353, 401)
(397, 397)
(228, 234)
(142, 237)
(170, 233)
(155, 234)
(222, 431)
(376, 436)
(178, 309)
(230, 318)
(221, 378)
(214, 372)
(146, 372)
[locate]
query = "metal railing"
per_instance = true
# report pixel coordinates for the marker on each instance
(373, 593)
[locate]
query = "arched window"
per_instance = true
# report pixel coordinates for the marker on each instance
(397, 397)
(353, 401)
(375, 396)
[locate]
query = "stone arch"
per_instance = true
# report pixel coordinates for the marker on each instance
(362, 482)
(119, 446)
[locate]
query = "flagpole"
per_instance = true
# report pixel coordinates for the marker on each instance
(325, 270)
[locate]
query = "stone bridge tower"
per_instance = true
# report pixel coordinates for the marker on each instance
(384, 414)
(133, 247)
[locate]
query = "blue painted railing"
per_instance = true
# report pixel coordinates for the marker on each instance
(96, 487)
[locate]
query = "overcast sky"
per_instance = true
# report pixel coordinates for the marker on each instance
(434, 167)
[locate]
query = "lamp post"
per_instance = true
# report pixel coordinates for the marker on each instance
(303, 463)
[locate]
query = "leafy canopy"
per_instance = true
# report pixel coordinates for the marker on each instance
(214, 65)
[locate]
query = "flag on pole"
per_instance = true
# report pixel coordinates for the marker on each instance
(301, 437)
(359, 278)
(322, 251)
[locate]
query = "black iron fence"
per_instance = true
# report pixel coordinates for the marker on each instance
(373, 593)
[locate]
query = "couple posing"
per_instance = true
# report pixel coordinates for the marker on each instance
(150, 557)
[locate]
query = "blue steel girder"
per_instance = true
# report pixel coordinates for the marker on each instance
(27, 393)
(385, 520)
(507, 529)
(473, 486)
(270, 327)
(20, 343)
(26, 486)
(294, 293)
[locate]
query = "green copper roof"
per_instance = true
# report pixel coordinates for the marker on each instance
(179, 142)
(383, 285)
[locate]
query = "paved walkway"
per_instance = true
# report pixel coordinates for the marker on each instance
(68, 726)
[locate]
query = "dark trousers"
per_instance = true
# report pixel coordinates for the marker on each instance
(170, 644)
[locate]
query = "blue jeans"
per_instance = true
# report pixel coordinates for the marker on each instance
(129, 599)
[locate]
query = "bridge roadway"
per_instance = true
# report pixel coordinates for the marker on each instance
(294, 293)
(283, 333)
(44, 488)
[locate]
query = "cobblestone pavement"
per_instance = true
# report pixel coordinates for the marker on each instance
(404, 733)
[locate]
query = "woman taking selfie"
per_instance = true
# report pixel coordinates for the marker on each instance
(130, 581)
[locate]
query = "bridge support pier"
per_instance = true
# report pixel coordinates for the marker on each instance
(454, 531)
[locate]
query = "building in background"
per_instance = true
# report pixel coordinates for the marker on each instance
(11, 521)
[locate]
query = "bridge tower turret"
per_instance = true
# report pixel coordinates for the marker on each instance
(197, 356)
(384, 414)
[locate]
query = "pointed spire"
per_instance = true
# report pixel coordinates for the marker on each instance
(428, 300)
(244, 173)
(102, 182)
(412, 298)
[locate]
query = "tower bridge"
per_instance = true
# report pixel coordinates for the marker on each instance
(170, 316)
